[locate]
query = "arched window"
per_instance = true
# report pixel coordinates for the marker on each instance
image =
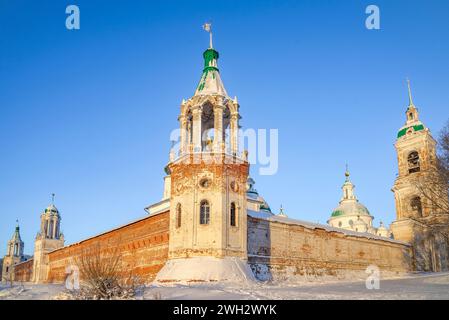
(204, 212)
(413, 162)
(416, 205)
(207, 126)
(178, 215)
(189, 128)
(50, 230)
(339, 224)
(233, 215)
(45, 228)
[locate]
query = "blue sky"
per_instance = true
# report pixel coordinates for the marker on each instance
(87, 114)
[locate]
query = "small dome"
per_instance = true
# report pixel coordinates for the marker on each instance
(264, 206)
(250, 190)
(51, 209)
(350, 208)
(382, 228)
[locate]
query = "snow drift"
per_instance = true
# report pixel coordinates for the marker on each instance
(205, 269)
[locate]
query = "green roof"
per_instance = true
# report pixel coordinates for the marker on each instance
(209, 55)
(265, 207)
(417, 127)
(337, 213)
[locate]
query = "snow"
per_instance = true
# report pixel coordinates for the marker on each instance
(29, 291)
(415, 287)
(205, 269)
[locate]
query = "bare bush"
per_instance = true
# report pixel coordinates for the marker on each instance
(431, 247)
(434, 186)
(104, 274)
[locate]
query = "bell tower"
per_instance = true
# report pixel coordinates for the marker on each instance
(417, 218)
(208, 218)
(416, 154)
(49, 238)
(14, 255)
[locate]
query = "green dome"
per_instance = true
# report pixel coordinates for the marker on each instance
(337, 213)
(353, 208)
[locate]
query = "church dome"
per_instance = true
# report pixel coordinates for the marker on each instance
(250, 190)
(350, 214)
(51, 209)
(354, 208)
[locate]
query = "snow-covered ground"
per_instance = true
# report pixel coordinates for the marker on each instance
(424, 286)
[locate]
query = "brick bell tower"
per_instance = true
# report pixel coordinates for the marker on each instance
(208, 218)
(417, 219)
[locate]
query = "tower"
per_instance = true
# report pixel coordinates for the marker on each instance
(48, 239)
(208, 218)
(417, 219)
(14, 255)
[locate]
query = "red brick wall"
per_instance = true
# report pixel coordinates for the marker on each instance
(141, 245)
(23, 271)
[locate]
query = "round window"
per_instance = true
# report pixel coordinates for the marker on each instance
(205, 183)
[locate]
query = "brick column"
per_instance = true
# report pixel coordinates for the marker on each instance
(183, 146)
(234, 133)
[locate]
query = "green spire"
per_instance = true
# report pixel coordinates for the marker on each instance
(16, 235)
(210, 82)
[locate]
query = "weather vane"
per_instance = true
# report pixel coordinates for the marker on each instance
(208, 27)
(53, 198)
